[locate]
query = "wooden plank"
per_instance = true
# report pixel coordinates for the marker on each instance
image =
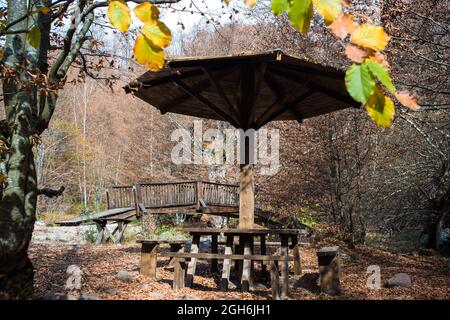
(246, 279)
(209, 256)
(284, 267)
(274, 281)
(214, 249)
(148, 260)
(193, 263)
(297, 256)
(178, 275)
(226, 264)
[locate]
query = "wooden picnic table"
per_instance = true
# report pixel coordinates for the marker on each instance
(245, 247)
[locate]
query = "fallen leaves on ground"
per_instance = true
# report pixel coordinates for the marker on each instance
(100, 265)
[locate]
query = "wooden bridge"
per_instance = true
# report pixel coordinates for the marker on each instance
(126, 203)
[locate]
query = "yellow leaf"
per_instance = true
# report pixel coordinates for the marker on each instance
(250, 3)
(147, 54)
(44, 10)
(157, 33)
(407, 100)
(343, 25)
(146, 12)
(370, 36)
(380, 108)
(355, 53)
(329, 9)
(119, 15)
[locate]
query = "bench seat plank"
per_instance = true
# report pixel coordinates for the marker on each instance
(208, 256)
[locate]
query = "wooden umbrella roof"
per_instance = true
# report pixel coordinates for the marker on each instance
(247, 91)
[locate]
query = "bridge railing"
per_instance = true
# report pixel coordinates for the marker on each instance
(173, 194)
(220, 194)
(121, 197)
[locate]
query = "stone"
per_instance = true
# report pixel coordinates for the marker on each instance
(156, 296)
(112, 291)
(187, 297)
(399, 280)
(89, 297)
(54, 296)
(125, 275)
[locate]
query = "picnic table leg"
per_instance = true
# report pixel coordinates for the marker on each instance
(226, 264)
(247, 278)
(214, 249)
(296, 254)
(101, 225)
(263, 253)
(174, 247)
(148, 259)
(284, 267)
(193, 263)
(178, 275)
(238, 263)
(274, 281)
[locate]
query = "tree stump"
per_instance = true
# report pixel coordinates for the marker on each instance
(329, 270)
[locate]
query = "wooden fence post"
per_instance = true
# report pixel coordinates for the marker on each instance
(329, 270)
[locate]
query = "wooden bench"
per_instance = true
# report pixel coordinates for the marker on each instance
(277, 287)
(149, 253)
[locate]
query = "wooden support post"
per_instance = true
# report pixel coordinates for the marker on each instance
(246, 197)
(226, 264)
(193, 263)
(198, 194)
(108, 200)
(329, 270)
(178, 274)
(247, 278)
(274, 281)
(263, 253)
(101, 225)
(149, 259)
(175, 247)
(214, 249)
(296, 254)
(284, 267)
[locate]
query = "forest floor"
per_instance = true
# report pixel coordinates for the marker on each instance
(100, 265)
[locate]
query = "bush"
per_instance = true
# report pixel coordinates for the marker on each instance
(91, 234)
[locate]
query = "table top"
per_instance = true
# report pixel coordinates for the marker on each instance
(237, 231)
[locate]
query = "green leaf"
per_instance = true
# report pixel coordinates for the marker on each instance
(279, 6)
(380, 108)
(300, 14)
(359, 82)
(34, 37)
(381, 73)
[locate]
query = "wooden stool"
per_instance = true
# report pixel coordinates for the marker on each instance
(329, 270)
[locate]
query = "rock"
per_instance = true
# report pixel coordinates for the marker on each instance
(144, 286)
(157, 296)
(166, 235)
(89, 297)
(187, 297)
(205, 245)
(399, 280)
(125, 275)
(54, 296)
(112, 291)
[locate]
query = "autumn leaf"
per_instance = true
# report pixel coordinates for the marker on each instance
(343, 25)
(300, 13)
(3, 178)
(147, 54)
(119, 15)
(158, 33)
(329, 9)
(355, 53)
(359, 82)
(378, 56)
(370, 36)
(34, 37)
(380, 108)
(250, 3)
(381, 73)
(146, 12)
(407, 100)
(279, 6)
